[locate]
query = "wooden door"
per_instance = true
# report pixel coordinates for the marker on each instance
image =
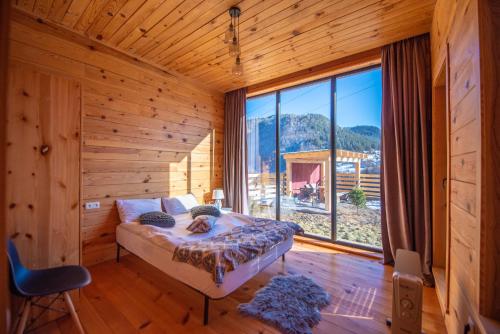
(43, 166)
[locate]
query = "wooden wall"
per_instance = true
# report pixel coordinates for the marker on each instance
(144, 132)
(43, 166)
(455, 40)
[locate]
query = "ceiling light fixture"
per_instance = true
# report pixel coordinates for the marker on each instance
(232, 37)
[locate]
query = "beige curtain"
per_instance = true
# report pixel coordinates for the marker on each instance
(406, 150)
(235, 151)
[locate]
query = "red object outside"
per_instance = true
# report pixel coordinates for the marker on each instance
(304, 173)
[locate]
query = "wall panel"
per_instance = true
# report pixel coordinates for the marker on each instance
(462, 38)
(43, 165)
(145, 133)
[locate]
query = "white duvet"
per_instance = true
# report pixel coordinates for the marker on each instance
(169, 238)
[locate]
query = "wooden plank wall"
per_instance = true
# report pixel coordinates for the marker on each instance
(43, 166)
(456, 27)
(145, 132)
(459, 32)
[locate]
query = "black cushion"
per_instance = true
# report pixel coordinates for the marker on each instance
(157, 218)
(208, 210)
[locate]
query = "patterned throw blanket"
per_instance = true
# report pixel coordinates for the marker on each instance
(224, 252)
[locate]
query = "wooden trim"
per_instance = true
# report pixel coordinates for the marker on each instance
(340, 248)
(489, 279)
(346, 64)
(4, 46)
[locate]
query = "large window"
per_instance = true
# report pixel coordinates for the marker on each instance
(261, 148)
(290, 136)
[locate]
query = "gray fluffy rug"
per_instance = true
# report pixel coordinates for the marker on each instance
(289, 303)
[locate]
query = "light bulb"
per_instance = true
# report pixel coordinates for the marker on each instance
(237, 67)
(234, 48)
(229, 34)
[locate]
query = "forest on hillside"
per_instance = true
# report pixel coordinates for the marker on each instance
(308, 133)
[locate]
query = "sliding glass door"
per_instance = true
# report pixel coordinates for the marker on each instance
(261, 159)
(294, 134)
(357, 168)
(304, 143)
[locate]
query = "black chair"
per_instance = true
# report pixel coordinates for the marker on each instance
(32, 285)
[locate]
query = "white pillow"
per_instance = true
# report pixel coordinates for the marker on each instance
(130, 209)
(179, 204)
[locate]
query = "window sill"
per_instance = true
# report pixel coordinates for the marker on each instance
(342, 248)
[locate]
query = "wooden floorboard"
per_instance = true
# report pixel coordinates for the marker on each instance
(133, 296)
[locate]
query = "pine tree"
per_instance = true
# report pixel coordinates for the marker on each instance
(358, 198)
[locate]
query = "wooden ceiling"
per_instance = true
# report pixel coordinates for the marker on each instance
(278, 37)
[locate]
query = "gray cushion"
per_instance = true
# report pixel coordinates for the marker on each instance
(157, 218)
(207, 210)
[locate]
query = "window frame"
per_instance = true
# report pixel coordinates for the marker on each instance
(333, 168)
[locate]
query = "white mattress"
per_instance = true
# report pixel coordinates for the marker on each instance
(156, 246)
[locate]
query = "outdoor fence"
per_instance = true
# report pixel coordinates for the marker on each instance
(263, 186)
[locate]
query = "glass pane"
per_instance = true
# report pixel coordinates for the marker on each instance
(357, 133)
(305, 128)
(261, 146)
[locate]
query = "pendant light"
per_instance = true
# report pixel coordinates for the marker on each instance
(232, 37)
(228, 38)
(237, 67)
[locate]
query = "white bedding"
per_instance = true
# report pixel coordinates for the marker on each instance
(156, 246)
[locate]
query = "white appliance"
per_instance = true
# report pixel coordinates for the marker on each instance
(407, 288)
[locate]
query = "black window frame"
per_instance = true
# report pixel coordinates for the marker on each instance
(333, 153)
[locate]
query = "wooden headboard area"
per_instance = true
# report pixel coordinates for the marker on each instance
(86, 124)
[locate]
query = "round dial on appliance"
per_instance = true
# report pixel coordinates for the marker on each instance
(406, 303)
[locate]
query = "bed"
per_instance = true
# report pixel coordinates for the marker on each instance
(157, 245)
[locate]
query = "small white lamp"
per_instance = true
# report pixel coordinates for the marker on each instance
(218, 196)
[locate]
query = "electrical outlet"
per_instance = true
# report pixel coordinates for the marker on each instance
(92, 205)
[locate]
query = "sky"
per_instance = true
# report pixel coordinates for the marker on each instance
(359, 100)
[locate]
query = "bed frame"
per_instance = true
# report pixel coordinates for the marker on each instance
(206, 302)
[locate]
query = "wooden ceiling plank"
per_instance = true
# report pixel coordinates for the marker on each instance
(105, 16)
(59, 9)
(278, 36)
(89, 14)
(212, 33)
(347, 25)
(291, 65)
(42, 8)
(149, 7)
(126, 12)
(192, 21)
(149, 22)
(364, 40)
(364, 33)
(293, 28)
(179, 14)
(290, 14)
(74, 13)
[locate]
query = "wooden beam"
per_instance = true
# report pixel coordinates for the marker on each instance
(346, 64)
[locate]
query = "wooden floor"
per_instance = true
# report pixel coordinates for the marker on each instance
(132, 297)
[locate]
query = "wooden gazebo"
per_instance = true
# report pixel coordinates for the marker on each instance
(323, 159)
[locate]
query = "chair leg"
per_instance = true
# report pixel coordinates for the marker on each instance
(24, 316)
(72, 310)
